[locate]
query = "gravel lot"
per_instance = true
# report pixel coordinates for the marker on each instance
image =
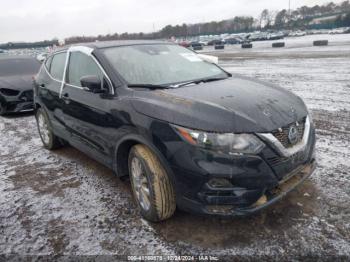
(63, 202)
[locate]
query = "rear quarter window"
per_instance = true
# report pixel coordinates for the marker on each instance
(48, 62)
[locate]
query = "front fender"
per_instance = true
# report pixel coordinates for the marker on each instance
(139, 139)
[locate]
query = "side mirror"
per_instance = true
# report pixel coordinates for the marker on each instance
(92, 83)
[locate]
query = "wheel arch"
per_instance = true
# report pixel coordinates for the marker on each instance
(121, 155)
(37, 105)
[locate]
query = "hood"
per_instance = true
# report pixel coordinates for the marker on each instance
(237, 104)
(20, 83)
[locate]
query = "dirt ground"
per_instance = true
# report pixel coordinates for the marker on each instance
(64, 203)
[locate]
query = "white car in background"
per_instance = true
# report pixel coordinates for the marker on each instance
(298, 33)
(342, 30)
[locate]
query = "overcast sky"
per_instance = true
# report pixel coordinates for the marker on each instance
(31, 20)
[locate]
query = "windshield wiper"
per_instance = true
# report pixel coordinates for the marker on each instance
(204, 80)
(149, 86)
(153, 87)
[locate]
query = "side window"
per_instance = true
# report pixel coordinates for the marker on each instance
(81, 65)
(48, 62)
(57, 65)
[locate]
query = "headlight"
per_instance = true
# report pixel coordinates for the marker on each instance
(227, 143)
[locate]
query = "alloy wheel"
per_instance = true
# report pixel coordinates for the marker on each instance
(44, 129)
(140, 183)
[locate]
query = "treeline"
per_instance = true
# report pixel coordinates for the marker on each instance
(342, 20)
(21, 45)
(300, 18)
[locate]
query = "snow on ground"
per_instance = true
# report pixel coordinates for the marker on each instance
(63, 202)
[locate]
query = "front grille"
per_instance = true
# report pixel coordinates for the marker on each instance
(8, 92)
(27, 95)
(284, 165)
(282, 133)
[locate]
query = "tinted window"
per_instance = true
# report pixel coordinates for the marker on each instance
(18, 66)
(81, 65)
(57, 65)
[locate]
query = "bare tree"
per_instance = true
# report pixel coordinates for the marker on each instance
(264, 18)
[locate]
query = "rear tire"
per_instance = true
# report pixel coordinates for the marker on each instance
(151, 185)
(49, 139)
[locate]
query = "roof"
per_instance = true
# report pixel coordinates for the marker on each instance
(105, 44)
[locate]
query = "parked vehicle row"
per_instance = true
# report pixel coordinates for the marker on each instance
(262, 36)
(198, 45)
(257, 36)
(297, 33)
(232, 39)
(343, 30)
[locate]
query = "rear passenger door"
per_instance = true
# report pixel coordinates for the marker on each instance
(86, 114)
(49, 83)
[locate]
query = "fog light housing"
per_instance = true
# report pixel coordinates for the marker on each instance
(219, 183)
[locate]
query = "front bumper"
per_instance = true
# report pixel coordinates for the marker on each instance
(19, 106)
(253, 180)
(291, 182)
(20, 103)
(267, 196)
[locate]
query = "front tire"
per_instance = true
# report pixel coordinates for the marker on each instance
(49, 139)
(151, 185)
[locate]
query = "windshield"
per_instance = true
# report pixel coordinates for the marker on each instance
(160, 64)
(18, 66)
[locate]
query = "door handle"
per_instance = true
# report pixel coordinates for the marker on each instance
(65, 97)
(42, 85)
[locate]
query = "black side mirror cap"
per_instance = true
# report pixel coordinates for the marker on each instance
(92, 84)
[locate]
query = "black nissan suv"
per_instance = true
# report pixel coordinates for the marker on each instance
(186, 132)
